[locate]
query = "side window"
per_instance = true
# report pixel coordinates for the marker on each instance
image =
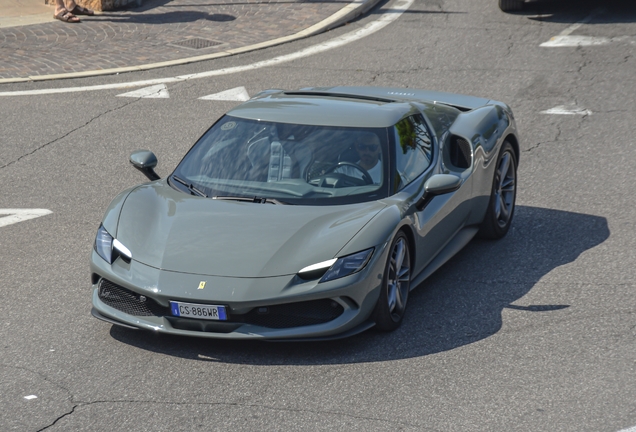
(413, 149)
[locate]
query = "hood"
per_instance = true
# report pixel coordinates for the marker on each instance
(170, 230)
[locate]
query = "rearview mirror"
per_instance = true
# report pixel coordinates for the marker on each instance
(145, 161)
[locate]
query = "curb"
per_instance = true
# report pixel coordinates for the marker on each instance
(344, 15)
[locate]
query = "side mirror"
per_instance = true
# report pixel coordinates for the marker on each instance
(438, 184)
(145, 161)
(441, 184)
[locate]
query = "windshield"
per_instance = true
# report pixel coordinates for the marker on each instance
(290, 163)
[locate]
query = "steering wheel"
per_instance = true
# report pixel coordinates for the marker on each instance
(365, 174)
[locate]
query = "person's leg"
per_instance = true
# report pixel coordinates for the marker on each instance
(59, 6)
(63, 14)
(77, 10)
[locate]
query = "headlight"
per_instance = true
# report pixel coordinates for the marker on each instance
(348, 265)
(337, 268)
(109, 248)
(104, 244)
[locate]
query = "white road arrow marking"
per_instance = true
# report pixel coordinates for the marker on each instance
(569, 109)
(19, 215)
(575, 41)
(235, 94)
(152, 92)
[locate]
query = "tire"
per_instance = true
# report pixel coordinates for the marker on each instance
(501, 207)
(510, 5)
(396, 285)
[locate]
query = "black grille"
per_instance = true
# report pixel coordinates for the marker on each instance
(129, 302)
(293, 314)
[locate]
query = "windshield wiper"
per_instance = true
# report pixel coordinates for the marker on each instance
(193, 190)
(257, 200)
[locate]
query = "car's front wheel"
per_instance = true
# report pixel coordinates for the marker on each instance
(396, 285)
(510, 5)
(501, 207)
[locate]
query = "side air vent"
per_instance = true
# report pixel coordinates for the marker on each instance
(460, 152)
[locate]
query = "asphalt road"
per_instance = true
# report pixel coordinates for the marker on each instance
(533, 332)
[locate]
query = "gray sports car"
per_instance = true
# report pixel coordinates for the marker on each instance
(306, 214)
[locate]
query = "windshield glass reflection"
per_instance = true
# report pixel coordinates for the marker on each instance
(296, 164)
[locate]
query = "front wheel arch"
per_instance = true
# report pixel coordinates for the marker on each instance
(410, 237)
(512, 140)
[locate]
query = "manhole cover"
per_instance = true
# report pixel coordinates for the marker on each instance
(197, 43)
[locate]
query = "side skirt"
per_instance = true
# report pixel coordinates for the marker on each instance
(458, 242)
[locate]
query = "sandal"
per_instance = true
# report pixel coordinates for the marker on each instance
(79, 10)
(66, 16)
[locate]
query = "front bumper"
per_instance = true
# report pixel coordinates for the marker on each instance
(285, 307)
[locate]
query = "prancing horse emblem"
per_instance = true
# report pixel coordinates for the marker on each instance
(201, 285)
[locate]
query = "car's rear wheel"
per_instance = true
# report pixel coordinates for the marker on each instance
(510, 5)
(501, 207)
(396, 285)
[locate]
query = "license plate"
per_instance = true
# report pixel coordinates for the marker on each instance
(198, 311)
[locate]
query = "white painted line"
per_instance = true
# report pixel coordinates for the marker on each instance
(235, 94)
(570, 109)
(576, 41)
(19, 215)
(30, 397)
(631, 429)
(573, 28)
(385, 19)
(152, 92)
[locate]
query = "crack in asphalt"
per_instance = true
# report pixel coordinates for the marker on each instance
(235, 404)
(67, 134)
(556, 139)
(59, 418)
(47, 379)
(534, 147)
(80, 404)
(41, 375)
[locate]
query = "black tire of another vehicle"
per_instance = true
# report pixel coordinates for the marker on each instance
(396, 285)
(510, 5)
(503, 194)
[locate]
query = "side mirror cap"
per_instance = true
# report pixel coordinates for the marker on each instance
(145, 161)
(438, 184)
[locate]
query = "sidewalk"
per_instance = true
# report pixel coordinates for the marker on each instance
(34, 46)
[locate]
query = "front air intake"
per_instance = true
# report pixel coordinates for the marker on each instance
(128, 301)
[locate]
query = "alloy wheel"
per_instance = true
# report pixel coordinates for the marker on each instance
(398, 279)
(505, 189)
